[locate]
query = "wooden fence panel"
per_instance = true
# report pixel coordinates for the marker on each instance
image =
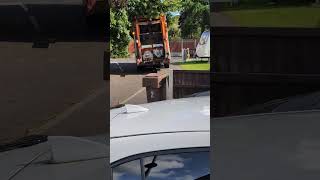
(254, 65)
(187, 82)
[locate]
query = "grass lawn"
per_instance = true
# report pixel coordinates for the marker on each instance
(198, 65)
(295, 16)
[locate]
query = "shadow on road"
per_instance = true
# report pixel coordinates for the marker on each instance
(128, 69)
(50, 21)
(40, 84)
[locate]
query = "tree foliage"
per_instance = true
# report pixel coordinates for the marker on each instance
(152, 8)
(194, 18)
(119, 32)
(174, 30)
(122, 13)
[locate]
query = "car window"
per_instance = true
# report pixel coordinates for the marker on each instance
(127, 171)
(184, 166)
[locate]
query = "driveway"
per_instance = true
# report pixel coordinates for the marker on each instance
(126, 82)
(57, 90)
(61, 84)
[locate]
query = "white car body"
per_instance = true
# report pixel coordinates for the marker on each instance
(164, 125)
(60, 157)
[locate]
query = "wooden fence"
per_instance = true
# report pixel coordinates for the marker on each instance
(187, 82)
(254, 65)
(177, 45)
(174, 84)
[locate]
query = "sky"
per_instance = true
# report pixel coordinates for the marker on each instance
(177, 13)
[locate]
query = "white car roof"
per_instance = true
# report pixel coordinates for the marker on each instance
(188, 114)
(170, 124)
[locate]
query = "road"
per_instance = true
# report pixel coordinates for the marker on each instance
(126, 83)
(56, 91)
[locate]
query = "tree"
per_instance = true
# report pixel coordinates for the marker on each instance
(122, 13)
(194, 18)
(119, 32)
(173, 24)
(151, 8)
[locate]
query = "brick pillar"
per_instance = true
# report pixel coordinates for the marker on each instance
(155, 84)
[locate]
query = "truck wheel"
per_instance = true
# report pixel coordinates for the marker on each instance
(166, 65)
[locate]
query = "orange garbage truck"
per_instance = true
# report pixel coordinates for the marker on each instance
(151, 42)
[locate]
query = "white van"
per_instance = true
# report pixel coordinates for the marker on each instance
(203, 47)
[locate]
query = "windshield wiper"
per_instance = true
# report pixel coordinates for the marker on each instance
(150, 166)
(23, 142)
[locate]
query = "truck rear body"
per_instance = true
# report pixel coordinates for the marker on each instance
(151, 42)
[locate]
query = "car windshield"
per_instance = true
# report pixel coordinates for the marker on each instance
(204, 38)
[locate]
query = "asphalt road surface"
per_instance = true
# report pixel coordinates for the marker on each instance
(56, 91)
(126, 82)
